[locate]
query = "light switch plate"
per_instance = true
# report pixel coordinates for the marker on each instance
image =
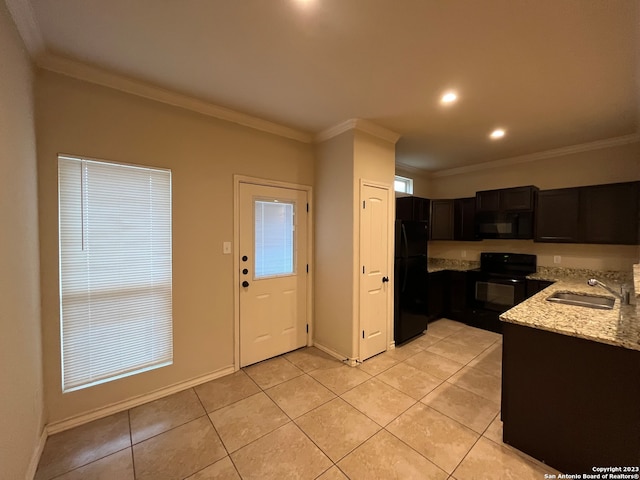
(557, 258)
(226, 248)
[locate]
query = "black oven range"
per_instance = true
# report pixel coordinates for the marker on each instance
(498, 285)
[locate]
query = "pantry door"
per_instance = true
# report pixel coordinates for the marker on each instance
(273, 269)
(375, 285)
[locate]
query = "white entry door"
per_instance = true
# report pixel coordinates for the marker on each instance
(273, 270)
(374, 258)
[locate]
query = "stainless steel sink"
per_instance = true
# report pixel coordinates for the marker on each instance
(582, 300)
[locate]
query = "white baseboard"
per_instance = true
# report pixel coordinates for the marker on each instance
(349, 361)
(102, 412)
(37, 453)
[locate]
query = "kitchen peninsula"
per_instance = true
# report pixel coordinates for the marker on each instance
(571, 380)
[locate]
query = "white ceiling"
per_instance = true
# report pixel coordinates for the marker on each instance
(554, 73)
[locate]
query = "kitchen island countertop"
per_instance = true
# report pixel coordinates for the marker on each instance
(619, 326)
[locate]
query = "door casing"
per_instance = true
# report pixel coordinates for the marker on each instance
(237, 180)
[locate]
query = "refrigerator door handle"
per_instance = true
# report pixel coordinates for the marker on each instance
(406, 258)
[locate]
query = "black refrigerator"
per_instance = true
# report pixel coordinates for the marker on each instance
(410, 276)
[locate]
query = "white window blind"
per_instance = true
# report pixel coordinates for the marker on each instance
(115, 270)
(273, 238)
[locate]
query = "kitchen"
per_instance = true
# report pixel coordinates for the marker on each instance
(558, 368)
(579, 132)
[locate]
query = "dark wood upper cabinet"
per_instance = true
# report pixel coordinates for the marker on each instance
(488, 201)
(506, 199)
(557, 216)
(609, 213)
(594, 214)
(519, 198)
(453, 219)
(464, 212)
(442, 219)
(412, 208)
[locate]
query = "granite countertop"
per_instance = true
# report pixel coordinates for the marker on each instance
(619, 326)
(438, 264)
(636, 280)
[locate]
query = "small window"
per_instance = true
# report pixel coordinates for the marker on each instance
(274, 249)
(403, 185)
(115, 270)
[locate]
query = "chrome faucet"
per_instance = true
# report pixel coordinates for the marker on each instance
(624, 290)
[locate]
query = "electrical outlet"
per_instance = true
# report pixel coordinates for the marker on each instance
(226, 248)
(557, 258)
(463, 254)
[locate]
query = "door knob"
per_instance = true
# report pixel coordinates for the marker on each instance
(385, 279)
(245, 284)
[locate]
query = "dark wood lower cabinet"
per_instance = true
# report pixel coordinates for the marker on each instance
(436, 284)
(456, 293)
(535, 286)
(571, 403)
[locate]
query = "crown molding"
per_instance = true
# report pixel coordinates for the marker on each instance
(360, 125)
(25, 19)
(556, 152)
(412, 169)
(99, 76)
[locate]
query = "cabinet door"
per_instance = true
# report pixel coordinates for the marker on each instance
(435, 295)
(535, 286)
(456, 295)
(412, 208)
(557, 216)
(488, 201)
(519, 198)
(442, 220)
(464, 219)
(610, 213)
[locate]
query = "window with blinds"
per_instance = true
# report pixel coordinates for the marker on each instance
(273, 231)
(115, 270)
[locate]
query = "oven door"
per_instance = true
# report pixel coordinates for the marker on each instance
(498, 294)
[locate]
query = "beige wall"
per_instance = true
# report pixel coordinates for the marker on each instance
(610, 165)
(203, 153)
(342, 162)
(374, 161)
(592, 257)
(21, 404)
(334, 221)
(421, 182)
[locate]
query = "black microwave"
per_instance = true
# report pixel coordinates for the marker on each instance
(504, 225)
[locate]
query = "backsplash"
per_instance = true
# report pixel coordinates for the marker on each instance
(572, 256)
(451, 264)
(552, 273)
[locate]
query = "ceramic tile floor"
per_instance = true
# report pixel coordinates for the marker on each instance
(429, 409)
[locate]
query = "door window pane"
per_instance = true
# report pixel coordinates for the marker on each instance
(273, 238)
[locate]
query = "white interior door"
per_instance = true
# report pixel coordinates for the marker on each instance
(273, 269)
(374, 257)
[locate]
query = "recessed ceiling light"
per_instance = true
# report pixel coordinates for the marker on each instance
(448, 98)
(497, 133)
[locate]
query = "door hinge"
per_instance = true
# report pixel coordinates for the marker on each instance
(362, 333)
(307, 268)
(363, 204)
(307, 207)
(307, 328)
(363, 269)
